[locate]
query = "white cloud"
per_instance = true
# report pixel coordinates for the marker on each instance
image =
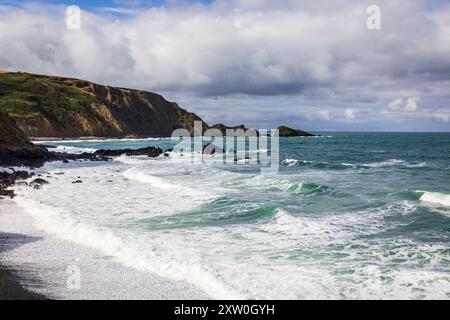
(411, 104)
(396, 104)
(324, 115)
(317, 51)
(442, 117)
(408, 105)
(350, 114)
(217, 50)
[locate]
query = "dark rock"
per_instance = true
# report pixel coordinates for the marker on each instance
(38, 182)
(211, 149)
(15, 147)
(289, 132)
(151, 152)
(166, 154)
(223, 128)
(77, 181)
(6, 176)
(7, 193)
(17, 150)
(8, 179)
(239, 130)
(23, 175)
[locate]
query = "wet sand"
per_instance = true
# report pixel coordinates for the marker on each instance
(11, 289)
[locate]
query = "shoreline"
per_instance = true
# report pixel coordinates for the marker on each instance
(35, 265)
(16, 284)
(12, 289)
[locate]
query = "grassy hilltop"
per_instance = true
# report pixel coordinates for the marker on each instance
(47, 106)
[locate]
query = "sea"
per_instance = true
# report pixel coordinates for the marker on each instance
(345, 216)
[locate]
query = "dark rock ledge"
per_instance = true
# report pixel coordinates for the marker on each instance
(38, 157)
(151, 152)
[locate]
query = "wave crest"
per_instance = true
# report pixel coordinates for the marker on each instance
(435, 197)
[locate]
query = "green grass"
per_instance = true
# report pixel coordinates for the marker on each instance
(24, 95)
(66, 107)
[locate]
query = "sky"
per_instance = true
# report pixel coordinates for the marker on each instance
(313, 65)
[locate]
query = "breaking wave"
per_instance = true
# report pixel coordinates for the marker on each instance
(435, 197)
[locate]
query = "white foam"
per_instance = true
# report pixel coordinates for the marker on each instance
(436, 197)
(291, 162)
(61, 224)
(138, 175)
(416, 165)
(75, 150)
(349, 165)
(387, 163)
(170, 188)
(131, 159)
(395, 162)
(46, 259)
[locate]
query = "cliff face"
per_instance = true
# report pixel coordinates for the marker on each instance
(44, 106)
(15, 148)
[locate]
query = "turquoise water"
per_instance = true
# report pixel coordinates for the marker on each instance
(349, 215)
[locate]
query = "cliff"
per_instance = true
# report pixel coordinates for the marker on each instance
(15, 148)
(46, 106)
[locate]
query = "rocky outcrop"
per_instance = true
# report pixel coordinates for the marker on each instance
(151, 152)
(38, 183)
(289, 132)
(45, 106)
(223, 128)
(8, 179)
(15, 148)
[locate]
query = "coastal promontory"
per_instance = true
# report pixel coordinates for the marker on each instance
(58, 107)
